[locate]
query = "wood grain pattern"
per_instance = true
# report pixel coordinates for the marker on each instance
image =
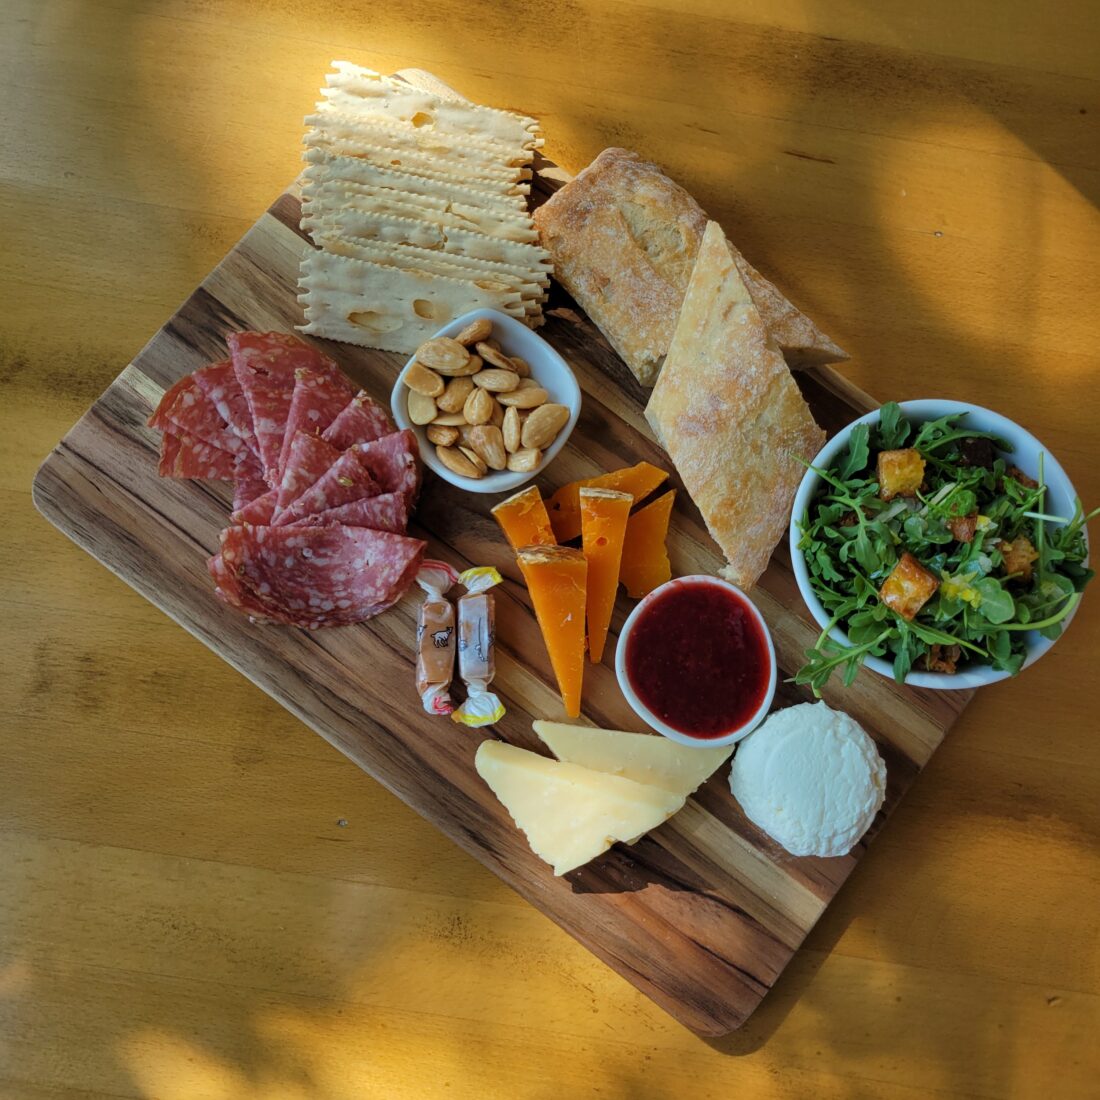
(703, 914)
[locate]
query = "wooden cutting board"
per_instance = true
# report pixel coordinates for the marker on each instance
(702, 914)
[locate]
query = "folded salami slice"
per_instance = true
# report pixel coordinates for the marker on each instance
(248, 479)
(362, 420)
(386, 512)
(318, 576)
(185, 409)
(306, 459)
(219, 382)
(266, 364)
(260, 511)
(182, 455)
(346, 480)
(393, 460)
(318, 398)
(227, 587)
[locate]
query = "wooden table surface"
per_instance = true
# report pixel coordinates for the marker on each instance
(199, 897)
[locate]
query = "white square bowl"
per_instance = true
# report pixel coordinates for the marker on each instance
(548, 368)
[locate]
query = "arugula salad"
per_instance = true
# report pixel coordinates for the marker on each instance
(928, 548)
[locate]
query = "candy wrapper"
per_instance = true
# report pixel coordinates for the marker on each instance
(476, 642)
(435, 637)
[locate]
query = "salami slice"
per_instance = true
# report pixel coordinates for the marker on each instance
(265, 364)
(182, 455)
(307, 458)
(186, 409)
(318, 397)
(318, 576)
(362, 420)
(346, 480)
(393, 460)
(219, 382)
(386, 512)
(258, 512)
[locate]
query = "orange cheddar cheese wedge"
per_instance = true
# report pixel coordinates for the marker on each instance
(604, 513)
(523, 519)
(565, 506)
(556, 577)
(645, 554)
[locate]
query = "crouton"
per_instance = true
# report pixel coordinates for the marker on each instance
(1018, 556)
(942, 658)
(900, 473)
(909, 587)
(963, 527)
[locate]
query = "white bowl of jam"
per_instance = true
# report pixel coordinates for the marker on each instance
(696, 662)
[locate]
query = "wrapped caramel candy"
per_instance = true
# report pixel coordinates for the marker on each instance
(435, 637)
(476, 641)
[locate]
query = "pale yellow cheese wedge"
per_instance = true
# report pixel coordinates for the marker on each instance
(644, 758)
(570, 814)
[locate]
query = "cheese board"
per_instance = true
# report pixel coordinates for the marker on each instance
(703, 913)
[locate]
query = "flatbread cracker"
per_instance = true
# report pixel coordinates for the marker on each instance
(385, 307)
(321, 170)
(383, 200)
(362, 170)
(374, 93)
(730, 414)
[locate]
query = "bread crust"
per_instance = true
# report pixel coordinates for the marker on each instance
(623, 238)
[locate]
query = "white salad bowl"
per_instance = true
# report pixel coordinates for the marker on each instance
(651, 719)
(1060, 501)
(548, 368)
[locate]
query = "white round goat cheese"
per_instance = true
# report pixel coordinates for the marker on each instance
(811, 779)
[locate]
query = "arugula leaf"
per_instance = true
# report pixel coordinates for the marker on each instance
(858, 453)
(893, 428)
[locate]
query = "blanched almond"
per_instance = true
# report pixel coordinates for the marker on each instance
(497, 418)
(474, 458)
(479, 406)
(450, 420)
(520, 398)
(492, 354)
(422, 409)
(457, 462)
(523, 462)
(510, 430)
(424, 381)
(497, 380)
(441, 435)
(489, 445)
(528, 384)
(454, 396)
(444, 355)
(520, 366)
(480, 329)
(543, 425)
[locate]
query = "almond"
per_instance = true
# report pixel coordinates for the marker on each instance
(479, 406)
(525, 461)
(511, 430)
(475, 459)
(543, 425)
(450, 420)
(441, 435)
(528, 384)
(454, 396)
(457, 462)
(476, 331)
(497, 380)
(424, 381)
(444, 355)
(489, 444)
(520, 366)
(497, 419)
(494, 355)
(527, 398)
(422, 409)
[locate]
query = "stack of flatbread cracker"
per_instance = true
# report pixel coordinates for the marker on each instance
(730, 414)
(418, 206)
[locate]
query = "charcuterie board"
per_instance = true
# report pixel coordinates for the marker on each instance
(703, 913)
